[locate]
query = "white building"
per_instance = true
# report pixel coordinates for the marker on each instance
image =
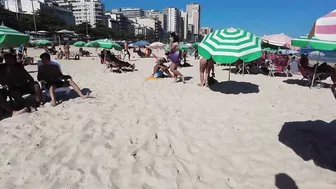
(184, 25)
(28, 7)
(91, 11)
(194, 16)
(172, 20)
(206, 30)
(130, 12)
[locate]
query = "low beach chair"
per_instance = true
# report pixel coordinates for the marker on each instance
(279, 66)
(308, 74)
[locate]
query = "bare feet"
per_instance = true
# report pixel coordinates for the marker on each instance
(53, 103)
(24, 110)
(200, 85)
(182, 78)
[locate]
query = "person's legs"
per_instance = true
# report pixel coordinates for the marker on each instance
(203, 67)
(173, 69)
(52, 95)
(165, 70)
(38, 94)
(129, 55)
(78, 91)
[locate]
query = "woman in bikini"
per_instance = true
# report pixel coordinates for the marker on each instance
(206, 66)
(175, 56)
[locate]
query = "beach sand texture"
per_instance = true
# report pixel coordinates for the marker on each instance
(159, 134)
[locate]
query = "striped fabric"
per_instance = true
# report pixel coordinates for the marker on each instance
(325, 27)
(229, 45)
(11, 38)
(108, 44)
(314, 43)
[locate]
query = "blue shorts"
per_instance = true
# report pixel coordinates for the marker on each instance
(158, 74)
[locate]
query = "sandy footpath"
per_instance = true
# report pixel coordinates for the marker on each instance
(159, 134)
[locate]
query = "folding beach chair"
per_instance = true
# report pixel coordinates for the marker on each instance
(279, 66)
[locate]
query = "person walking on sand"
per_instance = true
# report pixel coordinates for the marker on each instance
(206, 66)
(174, 56)
(66, 51)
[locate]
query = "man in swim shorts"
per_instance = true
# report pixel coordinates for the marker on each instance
(160, 68)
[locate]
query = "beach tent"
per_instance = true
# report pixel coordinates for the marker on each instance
(11, 38)
(226, 46)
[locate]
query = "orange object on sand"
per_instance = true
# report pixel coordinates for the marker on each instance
(153, 78)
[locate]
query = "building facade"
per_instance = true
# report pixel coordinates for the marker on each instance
(194, 16)
(91, 11)
(184, 25)
(28, 7)
(154, 24)
(118, 22)
(172, 20)
(130, 12)
(206, 30)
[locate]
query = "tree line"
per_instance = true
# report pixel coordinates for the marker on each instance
(50, 23)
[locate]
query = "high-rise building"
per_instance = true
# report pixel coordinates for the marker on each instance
(206, 30)
(130, 12)
(184, 25)
(172, 20)
(154, 24)
(29, 7)
(194, 16)
(91, 11)
(118, 22)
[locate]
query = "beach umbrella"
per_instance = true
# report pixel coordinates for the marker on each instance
(141, 44)
(280, 40)
(11, 38)
(314, 43)
(94, 44)
(325, 27)
(229, 45)
(316, 53)
(108, 44)
(183, 47)
(43, 42)
(195, 45)
(156, 45)
(79, 44)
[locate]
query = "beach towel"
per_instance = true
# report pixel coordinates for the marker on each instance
(153, 78)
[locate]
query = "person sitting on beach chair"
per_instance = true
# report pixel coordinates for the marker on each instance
(19, 83)
(160, 69)
(49, 73)
(83, 52)
(113, 62)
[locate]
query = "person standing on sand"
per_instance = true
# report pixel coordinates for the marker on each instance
(66, 51)
(206, 66)
(174, 56)
(126, 52)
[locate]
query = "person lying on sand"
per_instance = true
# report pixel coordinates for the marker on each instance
(160, 68)
(51, 86)
(206, 66)
(112, 61)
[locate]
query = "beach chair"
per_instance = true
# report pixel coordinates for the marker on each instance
(308, 74)
(279, 66)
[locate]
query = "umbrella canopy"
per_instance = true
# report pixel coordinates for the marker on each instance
(79, 44)
(280, 40)
(65, 32)
(316, 53)
(229, 45)
(325, 27)
(183, 47)
(195, 45)
(314, 43)
(156, 45)
(43, 42)
(140, 44)
(94, 44)
(108, 44)
(11, 38)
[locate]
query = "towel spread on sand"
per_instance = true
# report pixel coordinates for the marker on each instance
(152, 78)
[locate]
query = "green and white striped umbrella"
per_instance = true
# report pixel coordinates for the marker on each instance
(314, 43)
(11, 38)
(43, 42)
(108, 44)
(182, 47)
(229, 45)
(94, 44)
(195, 45)
(79, 44)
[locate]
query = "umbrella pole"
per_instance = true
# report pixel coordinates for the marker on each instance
(312, 84)
(229, 71)
(243, 68)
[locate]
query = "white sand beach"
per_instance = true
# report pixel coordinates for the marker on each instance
(151, 134)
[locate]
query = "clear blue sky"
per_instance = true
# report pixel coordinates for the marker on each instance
(292, 17)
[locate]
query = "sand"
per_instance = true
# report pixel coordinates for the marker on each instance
(159, 134)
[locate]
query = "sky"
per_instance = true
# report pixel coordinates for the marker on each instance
(261, 17)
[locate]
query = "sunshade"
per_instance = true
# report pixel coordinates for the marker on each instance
(43, 42)
(11, 38)
(195, 45)
(314, 43)
(280, 40)
(94, 44)
(141, 44)
(183, 47)
(108, 44)
(156, 45)
(229, 45)
(79, 44)
(325, 27)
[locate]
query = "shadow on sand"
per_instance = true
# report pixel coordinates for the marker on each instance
(283, 181)
(234, 87)
(304, 83)
(312, 140)
(63, 96)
